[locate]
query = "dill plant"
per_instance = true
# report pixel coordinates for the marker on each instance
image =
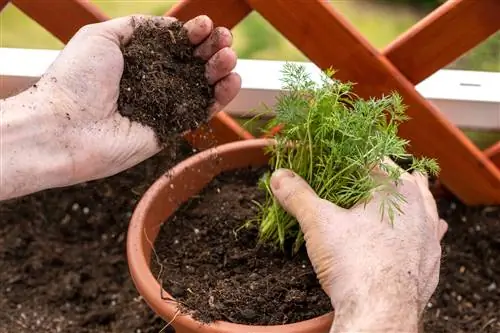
(334, 140)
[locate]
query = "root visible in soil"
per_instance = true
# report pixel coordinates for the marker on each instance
(163, 84)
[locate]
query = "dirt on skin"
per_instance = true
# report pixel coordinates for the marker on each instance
(63, 265)
(163, 84)
(218, 273)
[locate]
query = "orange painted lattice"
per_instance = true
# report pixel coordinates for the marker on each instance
(329, 40)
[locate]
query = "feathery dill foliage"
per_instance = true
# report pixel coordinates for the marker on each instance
(333, 139)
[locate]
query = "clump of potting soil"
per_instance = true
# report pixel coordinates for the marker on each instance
(334, 140)
(163, 85)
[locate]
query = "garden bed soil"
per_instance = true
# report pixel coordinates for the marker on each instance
(163, 85)
(63, 265)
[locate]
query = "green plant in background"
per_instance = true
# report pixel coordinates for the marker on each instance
(334, 140)
(484, 57)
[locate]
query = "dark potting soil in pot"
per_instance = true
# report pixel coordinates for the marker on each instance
(163, 84)
(215, 268)
(63, 265)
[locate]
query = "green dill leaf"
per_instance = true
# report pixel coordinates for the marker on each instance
(335, 140)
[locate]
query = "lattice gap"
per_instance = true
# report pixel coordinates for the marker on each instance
(17, 30)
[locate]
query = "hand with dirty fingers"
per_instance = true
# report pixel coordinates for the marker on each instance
(69, 126)
(379, 276)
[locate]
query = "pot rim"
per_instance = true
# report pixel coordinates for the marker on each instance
(147, 284)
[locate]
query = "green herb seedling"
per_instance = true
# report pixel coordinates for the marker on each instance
(334, 140)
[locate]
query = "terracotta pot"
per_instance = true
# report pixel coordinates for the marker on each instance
(161, 200)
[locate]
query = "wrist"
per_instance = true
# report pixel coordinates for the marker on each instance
(377, 314)
(34, 154)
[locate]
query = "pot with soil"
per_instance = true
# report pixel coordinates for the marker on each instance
(230, 171)
(235, 260)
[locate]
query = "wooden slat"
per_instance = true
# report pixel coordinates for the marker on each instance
(3, 3)
(493, 153)
(61, 18)
(445, 34)
(221, 129)
(329, 40)
(227, 13)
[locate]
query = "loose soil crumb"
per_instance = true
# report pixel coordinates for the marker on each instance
(217, 270)
(163, 84)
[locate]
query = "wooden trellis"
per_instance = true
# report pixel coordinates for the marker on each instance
(329, 40)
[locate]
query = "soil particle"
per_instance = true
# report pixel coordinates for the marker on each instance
(163, 84)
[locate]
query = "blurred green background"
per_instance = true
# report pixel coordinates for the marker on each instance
(380, 21)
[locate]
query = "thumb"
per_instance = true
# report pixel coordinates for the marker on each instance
(295, 195)
(442, 228)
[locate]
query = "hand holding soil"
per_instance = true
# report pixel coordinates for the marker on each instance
(87, 78)
(374, 272)
(119, 92)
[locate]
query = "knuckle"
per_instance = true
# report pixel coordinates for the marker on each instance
(87, 29)
(307, 213)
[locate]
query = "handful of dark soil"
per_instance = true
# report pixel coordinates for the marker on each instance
(163, 84)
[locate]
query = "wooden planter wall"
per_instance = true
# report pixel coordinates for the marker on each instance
(329, 40)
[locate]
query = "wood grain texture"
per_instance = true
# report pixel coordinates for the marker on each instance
(227, 13)
(61, 18)
(329, 40)
(444, 35)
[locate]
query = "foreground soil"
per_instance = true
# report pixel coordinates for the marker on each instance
(63, 266)
(213, 266)
(468, 296)
(163, 84)
(62, 256)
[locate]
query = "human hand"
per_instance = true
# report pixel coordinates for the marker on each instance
(378, 275)
(83, 87)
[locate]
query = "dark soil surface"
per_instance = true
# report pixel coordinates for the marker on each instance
(214, 266)
(63, 265)
(163, 84)
(468, 296)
